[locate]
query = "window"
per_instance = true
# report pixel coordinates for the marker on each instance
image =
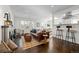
(27, 23)
(74, 21)
(22, 22)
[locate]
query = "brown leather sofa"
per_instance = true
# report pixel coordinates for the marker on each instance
(46, 33)
(39, 36)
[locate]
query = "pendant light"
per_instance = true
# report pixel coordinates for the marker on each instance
(7, 22)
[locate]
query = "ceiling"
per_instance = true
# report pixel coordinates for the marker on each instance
(63, 9)
(37, 12)
(34, 12)
(59, 8)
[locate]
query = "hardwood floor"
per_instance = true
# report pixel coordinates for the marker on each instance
(54, 46)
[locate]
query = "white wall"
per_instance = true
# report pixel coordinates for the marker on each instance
(41, 24)
(4, 9)
(18, 25)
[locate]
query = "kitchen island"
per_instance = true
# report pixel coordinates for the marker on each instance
(63, 26)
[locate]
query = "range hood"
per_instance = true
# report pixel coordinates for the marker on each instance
(68, 15)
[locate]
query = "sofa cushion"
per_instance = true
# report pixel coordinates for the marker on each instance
(4, 48)
(12, 45)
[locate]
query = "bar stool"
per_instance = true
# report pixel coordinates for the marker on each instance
(66, 43)
(59, 37)
(59, 33)
(73, 35)
(73, 32)
(70, 34)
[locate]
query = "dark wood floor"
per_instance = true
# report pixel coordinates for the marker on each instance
(55, 46)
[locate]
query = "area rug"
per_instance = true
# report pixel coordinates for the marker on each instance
(34, 43)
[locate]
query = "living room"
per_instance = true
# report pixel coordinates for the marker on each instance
(39, 28)
(24, 29)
